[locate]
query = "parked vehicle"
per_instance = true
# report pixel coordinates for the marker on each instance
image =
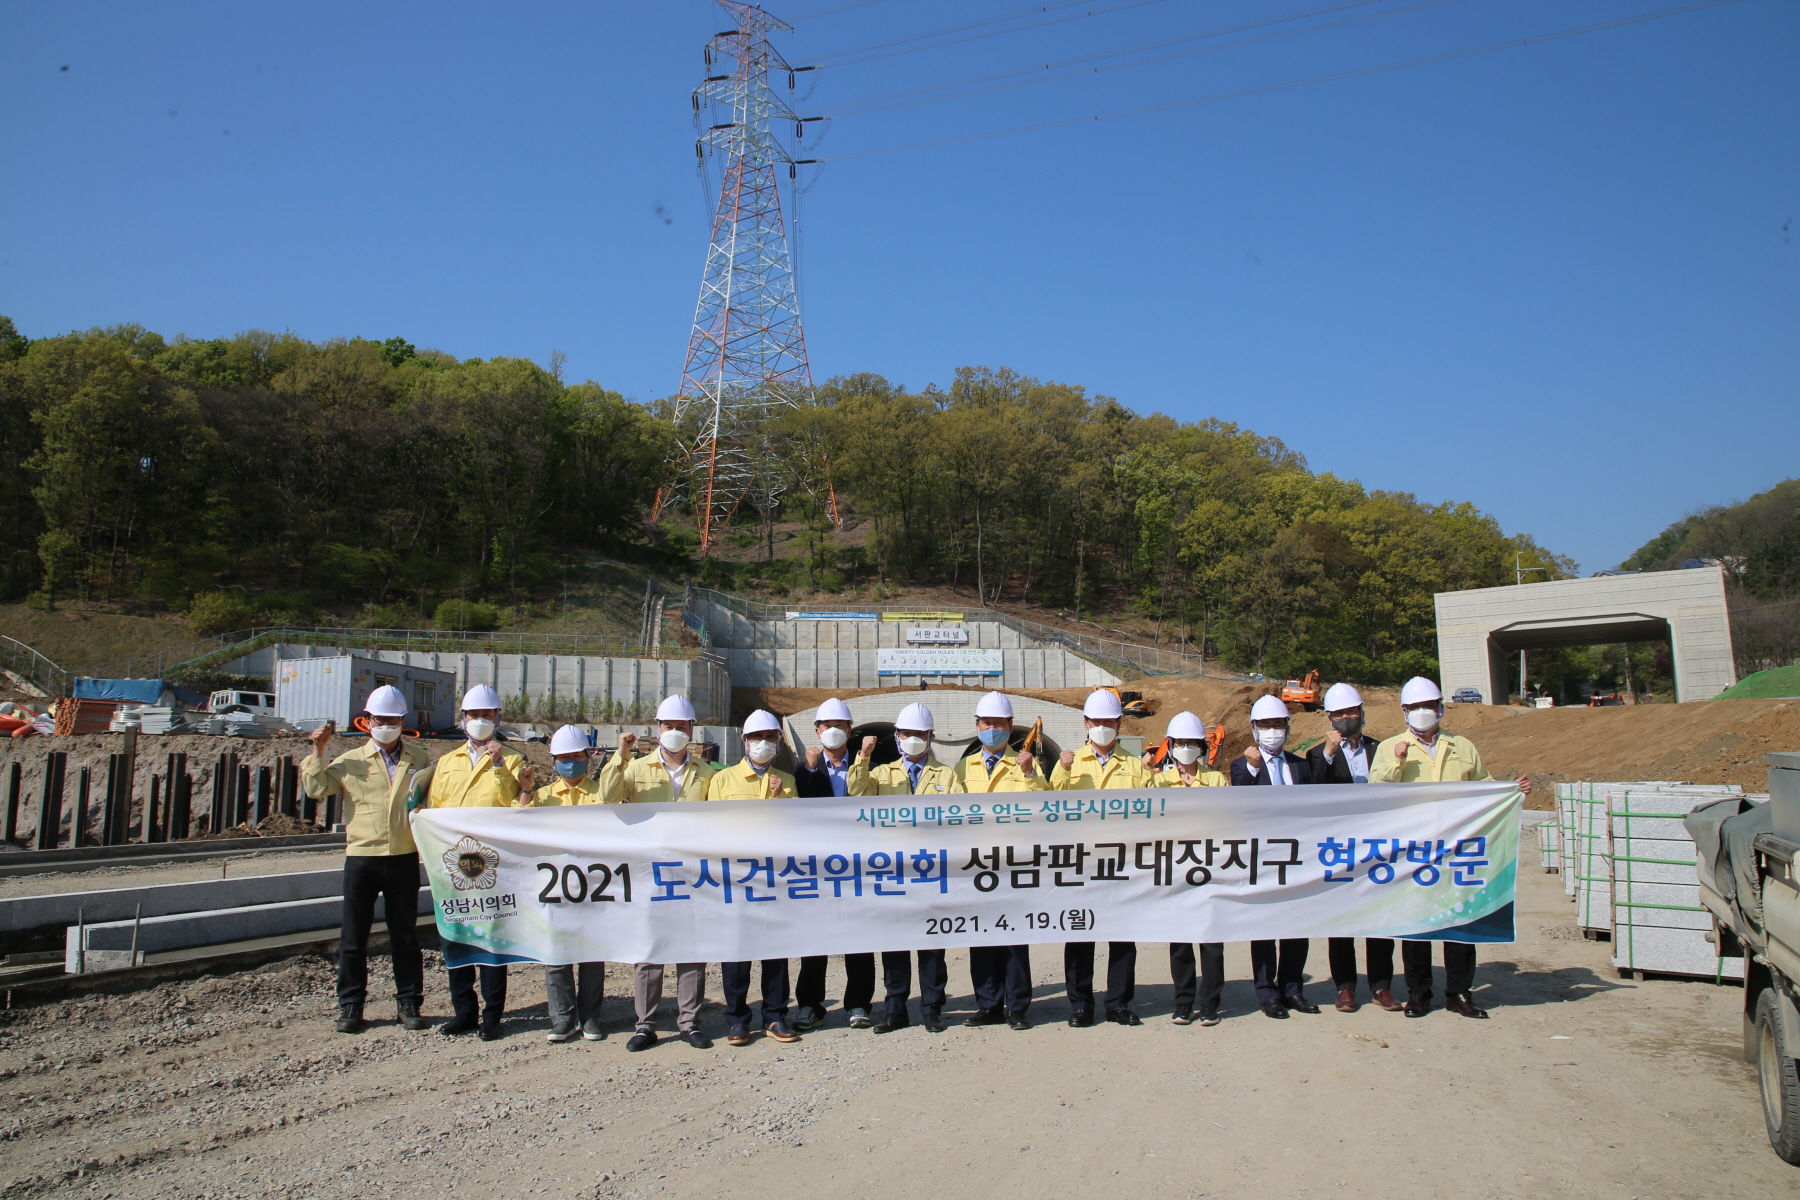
(259, 703)
(1466, 696)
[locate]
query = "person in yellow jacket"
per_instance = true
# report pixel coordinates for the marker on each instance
(380, 860)
(481, 773)
(573, 991)
(1426, 753)
(1186, 738)
(912, 774)
(755, 779)
(1001, 975)
(1100, 763)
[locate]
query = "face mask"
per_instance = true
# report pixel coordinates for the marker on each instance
(387, 735)
(1270, 741)
(1422, 720)
(673, 740)
(834, 738)
(1348, 726)
(1187, 756)
(912, 747)
(760, 752)
(572, 770)
(479, 729)
(1102, 735)
(993, 739)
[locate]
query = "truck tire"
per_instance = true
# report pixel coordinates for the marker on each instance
(1780, 1085)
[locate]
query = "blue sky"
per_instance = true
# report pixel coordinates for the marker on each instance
(1556, 280)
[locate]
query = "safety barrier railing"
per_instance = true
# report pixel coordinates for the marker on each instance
(26, 663)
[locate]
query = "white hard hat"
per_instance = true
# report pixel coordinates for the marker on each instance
(1420, 690)
(1187, 725)
(762, 721)
(389, 701)
(568, 740)
(994, 704)
(915, 716)
(1340, 696)
(675, 708)
(1269, 708)
(480, 696)
(1102, 705)
(833, 710)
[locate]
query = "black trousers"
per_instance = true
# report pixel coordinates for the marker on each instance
(1279, 968)
(734, 978)
(859, 981)
(368, 877)
(1380, 955)
(896, 976)
(1078, 974)
(493, 991)
(1002, 978)
(1212, 975)
(1459, 967)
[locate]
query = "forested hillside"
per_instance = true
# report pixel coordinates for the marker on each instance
(267, 476)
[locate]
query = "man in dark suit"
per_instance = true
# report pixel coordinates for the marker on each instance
(1280, 969)
(1344, 757)
(826, 772)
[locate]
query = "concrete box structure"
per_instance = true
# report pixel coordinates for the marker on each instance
(1479, 630)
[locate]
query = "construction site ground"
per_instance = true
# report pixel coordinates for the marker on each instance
(235, 1085)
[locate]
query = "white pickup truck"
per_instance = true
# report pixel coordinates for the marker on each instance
(261, 704)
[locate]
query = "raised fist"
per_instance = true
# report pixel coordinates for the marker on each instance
(776, 788)
(627, 745)
(868, 747)
(1068, 759)
(1025, 762)
(1399, 751)
(1333, 739)
(813, 753)
(1253, 754)
(320, 736)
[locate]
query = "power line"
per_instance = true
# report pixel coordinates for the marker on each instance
(1335, 76)
(887, 48)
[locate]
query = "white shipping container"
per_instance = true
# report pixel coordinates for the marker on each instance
(337, 689)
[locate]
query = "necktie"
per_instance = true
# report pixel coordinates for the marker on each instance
(913, 771)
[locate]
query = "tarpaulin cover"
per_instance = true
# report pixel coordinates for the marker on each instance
(129, 691)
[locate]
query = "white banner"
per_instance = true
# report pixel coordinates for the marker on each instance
(751, 879)
(934, 636)
(908, 661)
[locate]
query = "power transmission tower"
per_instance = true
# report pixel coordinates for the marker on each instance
(746, 358)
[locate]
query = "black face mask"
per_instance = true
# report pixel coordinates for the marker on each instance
(1348, 726)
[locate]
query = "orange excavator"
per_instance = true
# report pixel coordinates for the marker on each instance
(1304, 692)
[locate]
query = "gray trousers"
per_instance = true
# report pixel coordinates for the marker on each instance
(571, 1003)
(690, 986)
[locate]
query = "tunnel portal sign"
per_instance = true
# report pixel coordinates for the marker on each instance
(959, 661)
(935, 636)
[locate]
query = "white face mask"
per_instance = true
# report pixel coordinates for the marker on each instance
(1187, 756)
(1102, 735)
(833, 738)
(912, 747)
(761, 751)
(1422, 720)
(673, 740)
(479, 729)
(1270, 741)
(387, 735)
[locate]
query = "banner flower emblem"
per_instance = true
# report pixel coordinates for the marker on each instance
(471, 865)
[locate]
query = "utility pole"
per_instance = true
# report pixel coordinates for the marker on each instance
(746, 358)
(1520, 570)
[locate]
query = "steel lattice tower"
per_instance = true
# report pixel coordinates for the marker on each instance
(746, 358)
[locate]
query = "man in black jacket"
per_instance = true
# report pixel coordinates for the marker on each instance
(1344, 757)
(825, 772)
(1280, 971)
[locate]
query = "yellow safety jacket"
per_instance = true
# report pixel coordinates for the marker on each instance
(374, 806)
(1121, 770)
(745, 782)
(973, 775)
(458, 783)
(890, 779)
(1456, 761)
(644, 779)
(1170, 776)
(585, 790)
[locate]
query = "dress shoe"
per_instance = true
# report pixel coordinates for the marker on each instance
(490, 1027)
(1017, 1021)
(563, 1033)
(1182, 1016)
(781, 1031)
(460, 1023)
(737, 1035)
(1463, 1005)
(990, 1017)
(643, 1039)
(408, 1012)
(1209, 1016)
(1301, 1004)
(1385, 999)
(933, 1021)
(1273, 1008)
(859, 1018)
(890, 1022)
(1123, 1016)
(809, 1018)
(1417, 1006)
(1346, 1001)
(590, 1029)
(350, 1019)
(696, 1039)
(1080, 1019)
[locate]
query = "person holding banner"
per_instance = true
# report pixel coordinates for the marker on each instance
(672, 773)
(1280, 970)
(482, 774)
(574, 991)
(827, 773)
(1427, 753)
(1186, 739)
(755, 779)
(380, 859)
(1100, 764)
(1001, 974)
(913, 774)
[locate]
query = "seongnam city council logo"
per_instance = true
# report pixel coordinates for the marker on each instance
(472, 866)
